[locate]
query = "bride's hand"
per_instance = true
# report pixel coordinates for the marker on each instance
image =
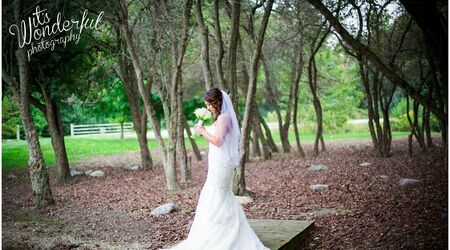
(199, 129)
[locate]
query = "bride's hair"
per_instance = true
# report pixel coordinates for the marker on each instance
(214, 97)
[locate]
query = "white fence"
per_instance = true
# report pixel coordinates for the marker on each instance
(99, 129)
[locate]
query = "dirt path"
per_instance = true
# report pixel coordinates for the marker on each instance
(113, 212)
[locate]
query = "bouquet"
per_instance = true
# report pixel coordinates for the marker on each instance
(202, 115)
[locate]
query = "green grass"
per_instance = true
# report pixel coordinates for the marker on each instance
(15, 154)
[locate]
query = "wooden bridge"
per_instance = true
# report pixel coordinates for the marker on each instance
(281, 234)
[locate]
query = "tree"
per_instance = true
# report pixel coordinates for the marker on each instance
(205, 45)
(169, 155)
(387, 71)
(373, 58)
(21, 91)
(239, 176)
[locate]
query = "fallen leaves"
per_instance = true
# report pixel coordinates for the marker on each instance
(354, 212)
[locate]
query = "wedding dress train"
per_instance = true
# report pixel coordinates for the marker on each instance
(220, 222)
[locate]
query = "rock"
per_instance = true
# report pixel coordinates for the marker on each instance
(165, 209)
(88, 172)
(244, 199)
(75, 173)
(407, 182)
(365, 164)
(382, 177)
(319, 186)
(203, 153)
(97, 173)
(11, 176)
(132, 166)
(317, 167)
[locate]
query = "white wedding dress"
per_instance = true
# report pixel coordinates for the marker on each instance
(219, 222)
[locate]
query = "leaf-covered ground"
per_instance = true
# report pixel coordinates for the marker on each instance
(358, 211)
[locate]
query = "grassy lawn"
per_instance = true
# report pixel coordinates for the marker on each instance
(15, 154)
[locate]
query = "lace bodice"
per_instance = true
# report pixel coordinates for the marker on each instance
(219, 174)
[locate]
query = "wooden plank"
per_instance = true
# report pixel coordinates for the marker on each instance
(281, 234)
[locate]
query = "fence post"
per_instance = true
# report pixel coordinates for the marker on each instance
(121, 130)
(18, 132)
(72, 130)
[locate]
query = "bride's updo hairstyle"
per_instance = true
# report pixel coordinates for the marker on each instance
(214, 97)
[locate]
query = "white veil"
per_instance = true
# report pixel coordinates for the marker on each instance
(228, 132)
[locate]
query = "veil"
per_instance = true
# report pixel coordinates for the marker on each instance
(228, 132)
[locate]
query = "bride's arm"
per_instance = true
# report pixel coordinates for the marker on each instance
(210, 138)
(220, 132)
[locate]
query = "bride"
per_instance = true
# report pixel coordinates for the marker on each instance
(220, 222)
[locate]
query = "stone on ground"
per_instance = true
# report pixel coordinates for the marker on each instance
(365, 164)
(319, 186)
(165, 209)
(317, 167)
(97, 173)
(11, 176)
(75, 173)
(382, 177)
(244, 199)
(132, 166)
(89, 172)
(407, 182)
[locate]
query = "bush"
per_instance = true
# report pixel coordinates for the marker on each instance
(399, 118)
(10, 118)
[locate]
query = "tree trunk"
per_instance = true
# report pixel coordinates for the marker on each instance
(38, 172)
(205, 45)
(428, 128)
(296, 100)
(185, 172)
(146, 158)
(255, 144)
(264, 144)
(53, 117)
(255, 136)
(173, 118)
(366, 86)
(419, 129)
(139, 118)
(197, 154)
(312, 76)
(413, 123)
(57, 137)
(272, 99)
(64, 171)
(218, 35)
(270, 141)
(239, 173)
(439, 96)
(169, 160)
(235, 15)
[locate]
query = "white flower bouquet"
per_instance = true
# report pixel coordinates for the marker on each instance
(202, 115)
